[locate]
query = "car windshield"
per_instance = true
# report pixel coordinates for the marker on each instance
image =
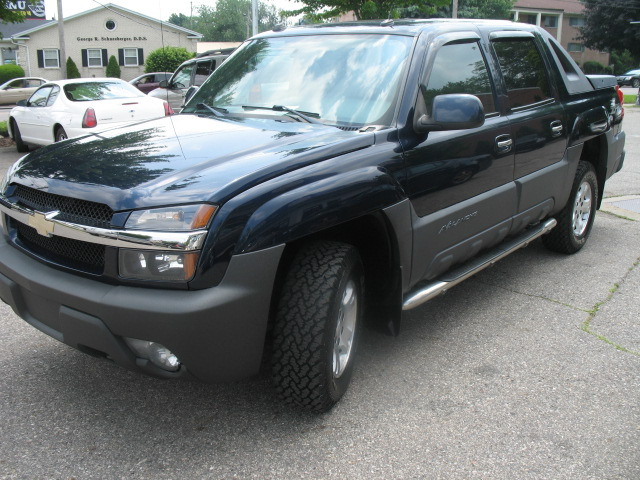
(84, 92)
(632, 72)
(339, 79)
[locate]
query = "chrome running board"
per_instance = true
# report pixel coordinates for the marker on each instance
(454, 277)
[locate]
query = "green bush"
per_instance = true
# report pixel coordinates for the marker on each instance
(3, 129)
(592, 67)
(166, 59)
(9, 72)
(113, 69)
(72, 69)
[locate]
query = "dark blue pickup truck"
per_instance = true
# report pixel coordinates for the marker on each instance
(322, 179)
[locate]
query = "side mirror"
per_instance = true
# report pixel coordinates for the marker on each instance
(163, 84)
(452, 112)
(192, 90)
(21, 103)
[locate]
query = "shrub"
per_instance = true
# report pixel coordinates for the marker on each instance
(113, 69)
(72, 69)
(592, 67)
(166, 59)
(9, 72)
(4, 132)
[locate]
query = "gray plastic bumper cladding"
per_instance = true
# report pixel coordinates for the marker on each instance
(217, 333)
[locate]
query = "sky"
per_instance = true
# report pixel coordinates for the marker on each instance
(159, 9)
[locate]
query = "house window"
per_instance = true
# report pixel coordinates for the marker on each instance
(576, 21)
(530, 19)
(576, 47)
(550, 21)
(130, 57)
(51, 58)
(110, 25)
(94, 57)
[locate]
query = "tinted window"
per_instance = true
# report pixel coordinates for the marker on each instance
(82, 92)
(203, 70)
(523, 70)
(39, 97)
(460, 68)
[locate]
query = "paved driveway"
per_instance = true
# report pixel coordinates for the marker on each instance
(529, 370)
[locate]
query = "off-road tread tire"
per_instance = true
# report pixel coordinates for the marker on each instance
(305, 325)
(561, 238)
(21, 147)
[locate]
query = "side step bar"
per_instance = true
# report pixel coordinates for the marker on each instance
(454, 277)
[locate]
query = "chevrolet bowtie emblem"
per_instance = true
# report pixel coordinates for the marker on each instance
(42, 222)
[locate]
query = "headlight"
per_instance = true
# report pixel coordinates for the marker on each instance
(5, 180)
(180, 218)
(157, 266)
(164, 266)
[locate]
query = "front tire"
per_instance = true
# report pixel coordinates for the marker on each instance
(318, 320)
(17, 137)
(635, 83)
(576, 218)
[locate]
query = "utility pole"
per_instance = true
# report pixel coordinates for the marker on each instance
(254, 16)
(454, 9)
(62, 51)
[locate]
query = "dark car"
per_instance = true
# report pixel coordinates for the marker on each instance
(631, 78)
(150, 81)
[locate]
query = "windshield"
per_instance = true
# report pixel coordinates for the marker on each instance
(340, 79)
(84, 92)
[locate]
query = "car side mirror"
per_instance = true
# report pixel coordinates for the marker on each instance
(457, 111)
(163, 84)
(22, 103)
(192, 90)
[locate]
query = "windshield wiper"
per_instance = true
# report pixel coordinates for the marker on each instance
(217, 111)
(306, 116)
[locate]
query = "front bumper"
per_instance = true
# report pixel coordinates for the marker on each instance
(217, 333)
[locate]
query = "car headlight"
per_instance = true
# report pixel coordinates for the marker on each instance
(164, 266)
(179, 218)
(7, 178)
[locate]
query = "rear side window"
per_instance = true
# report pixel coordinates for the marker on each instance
(523, 71)
(203, 71)
(460, 68)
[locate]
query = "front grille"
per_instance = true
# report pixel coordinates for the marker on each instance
(71, 210)
(84, 256)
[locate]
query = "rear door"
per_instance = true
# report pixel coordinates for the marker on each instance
(537, 117)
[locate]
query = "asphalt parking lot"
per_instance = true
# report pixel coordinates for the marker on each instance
(530, 370)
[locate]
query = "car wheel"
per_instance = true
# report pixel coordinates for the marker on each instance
(636, 83)
(576, 218)
(20, 145)
(61, 134)
(318, 320)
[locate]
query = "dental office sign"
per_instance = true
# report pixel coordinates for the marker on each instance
(29, 9)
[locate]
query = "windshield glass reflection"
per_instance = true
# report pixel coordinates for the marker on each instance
(344, 79)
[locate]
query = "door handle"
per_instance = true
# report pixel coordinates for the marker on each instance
(556, 128)
(599, 127)
(504, 143)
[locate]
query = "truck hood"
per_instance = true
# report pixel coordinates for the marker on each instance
(180, 159)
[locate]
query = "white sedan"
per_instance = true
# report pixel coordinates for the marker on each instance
(71, 108)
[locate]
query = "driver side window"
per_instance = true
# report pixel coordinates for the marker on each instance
(460, 68)
(39, 97)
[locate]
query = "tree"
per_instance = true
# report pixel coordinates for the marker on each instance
(113, 69)
(72, 69)
(166, 59)
(491, 9)
(369, 9)
(607, 25)
(622, 61)
(230, 20)
(180, 19)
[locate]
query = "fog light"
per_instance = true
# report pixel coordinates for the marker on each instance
(156, 353)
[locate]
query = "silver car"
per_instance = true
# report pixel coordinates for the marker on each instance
(19, 89)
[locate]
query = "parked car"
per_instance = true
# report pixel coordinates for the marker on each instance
(19, 89)
(191, 73)
(631, 78)
(85, 106)
(150, 81)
